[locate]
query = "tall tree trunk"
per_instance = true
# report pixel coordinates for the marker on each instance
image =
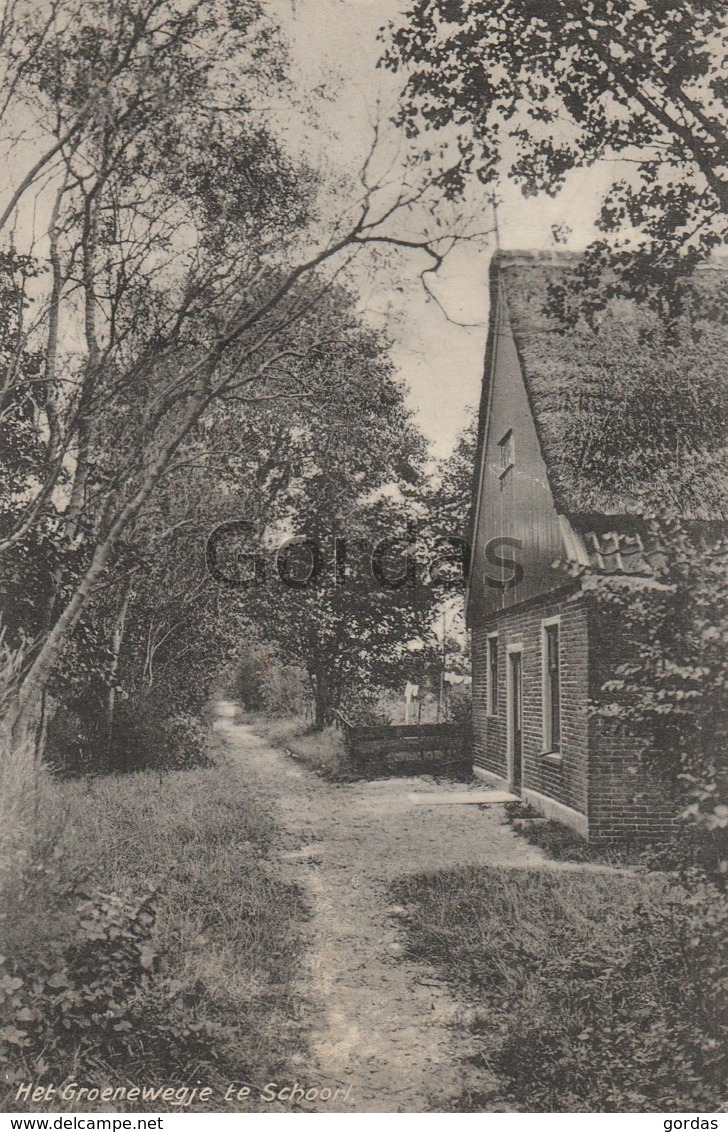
(77, 501)
(116, 642)
(28, 703)
(321, 702)
(54, 395)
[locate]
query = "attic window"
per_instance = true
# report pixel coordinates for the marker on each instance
(507, 452)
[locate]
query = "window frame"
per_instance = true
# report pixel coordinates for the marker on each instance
(547, 703)
(491, 687)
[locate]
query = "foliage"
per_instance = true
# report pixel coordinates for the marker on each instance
(167, 630)
(127, 170)
(594, 993)
(169, 314)
(21, 451)
(144, 940)
(98, 992)
(668, 688)
(261, 683)
(152, 734)
(445, 528)
(359, 467)
(532, 91)
(450, 500)
(458, 706)
(248, 683)
(350, 637)
(561, 843)
(79, 970)
(322, 751)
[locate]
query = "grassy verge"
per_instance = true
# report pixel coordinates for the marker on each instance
(322, 751)
(689, 851)
(589, 992)
(325, 752)
(150, 944)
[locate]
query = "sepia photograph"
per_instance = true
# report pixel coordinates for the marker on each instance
(363, 560)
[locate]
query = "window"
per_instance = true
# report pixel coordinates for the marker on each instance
(507, 452)
(551, 687)
(492, 695)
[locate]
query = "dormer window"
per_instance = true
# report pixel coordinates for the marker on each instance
(507, 452)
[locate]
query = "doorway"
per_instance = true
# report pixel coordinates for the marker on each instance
(515, 719)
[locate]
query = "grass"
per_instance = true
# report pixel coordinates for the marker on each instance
(227, 933)
(564, 844)
(322, 751)
(588, 992)
(687, 850)
(325, 752)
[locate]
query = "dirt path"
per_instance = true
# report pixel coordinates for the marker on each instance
(382, 1025)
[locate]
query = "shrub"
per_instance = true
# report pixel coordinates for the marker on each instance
(323, 751)
(77, 741)
(78, 967)
(636, 1027)
(458, 706)
(669, 690)
(142, 936)
(263, 683)
(98, 989)
(145, 735)
(365, 714)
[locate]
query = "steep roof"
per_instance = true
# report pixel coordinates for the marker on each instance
(631, 418)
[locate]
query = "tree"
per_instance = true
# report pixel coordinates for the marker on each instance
(446, 531)
(533, 90)
(174, 263)
(449, 503)
(323, 603)
(350, 632)
(169, 629)
(365, 621)
(305, 460)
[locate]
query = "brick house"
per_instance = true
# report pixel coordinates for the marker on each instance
(537, 653)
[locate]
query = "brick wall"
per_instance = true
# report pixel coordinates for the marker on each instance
(489, 735)
(597, 774)
(626, 803)
(563, 779)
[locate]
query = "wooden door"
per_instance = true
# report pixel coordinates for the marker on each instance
(516, 720)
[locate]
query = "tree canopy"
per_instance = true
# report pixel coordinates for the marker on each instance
(531, 90)
(163, 256)
(357, 475)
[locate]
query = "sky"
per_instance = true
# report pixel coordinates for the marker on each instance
(438, 352)
(438, 343)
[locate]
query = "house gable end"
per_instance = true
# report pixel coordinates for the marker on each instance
(517, 533)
